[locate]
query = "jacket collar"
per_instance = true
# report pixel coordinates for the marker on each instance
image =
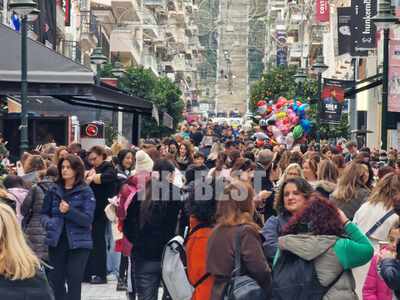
(62, 193)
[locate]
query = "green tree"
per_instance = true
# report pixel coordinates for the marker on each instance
(279, 82)
(159, 90)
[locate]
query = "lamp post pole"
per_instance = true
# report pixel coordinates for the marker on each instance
(24, 143)
(318, 116)
(385, 87)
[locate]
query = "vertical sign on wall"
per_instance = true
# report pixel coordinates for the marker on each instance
(394, 76)
(362, 27)
(322, 14)
(344, 30)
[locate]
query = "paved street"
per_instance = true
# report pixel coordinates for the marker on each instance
(104, 291)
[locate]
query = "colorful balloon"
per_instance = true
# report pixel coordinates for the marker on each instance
(298, 132)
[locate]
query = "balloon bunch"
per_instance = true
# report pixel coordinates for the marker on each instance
(285, 121)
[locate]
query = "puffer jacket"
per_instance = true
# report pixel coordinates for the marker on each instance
(36, 288)
(30, 210)
(390, 271)
(77, 220)
(332, 256)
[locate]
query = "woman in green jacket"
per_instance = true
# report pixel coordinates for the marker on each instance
(323, 234)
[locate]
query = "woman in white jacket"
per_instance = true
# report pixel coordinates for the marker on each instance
(380, 204)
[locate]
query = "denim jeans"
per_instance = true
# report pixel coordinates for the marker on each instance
(113, 258)
(147, 278)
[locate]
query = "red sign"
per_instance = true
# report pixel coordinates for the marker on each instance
(333, 91)
(322, 14)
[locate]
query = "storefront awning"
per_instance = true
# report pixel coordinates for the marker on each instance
(45, 66)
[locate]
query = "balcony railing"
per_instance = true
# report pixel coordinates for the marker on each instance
(72, 50)
(89, 23)
(149, 61)
(155, 3)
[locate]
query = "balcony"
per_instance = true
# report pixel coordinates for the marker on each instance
(88, 30)
(126, 10)
(104, 14)
(154, 4)
(150, 28)
(150, 62)
(124, 42)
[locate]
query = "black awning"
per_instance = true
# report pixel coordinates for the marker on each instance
(114, 99)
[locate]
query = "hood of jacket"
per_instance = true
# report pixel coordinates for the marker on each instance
(17, 194)
(307, 246)
(324, 187)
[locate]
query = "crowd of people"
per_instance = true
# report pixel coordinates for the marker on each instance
(311, 222)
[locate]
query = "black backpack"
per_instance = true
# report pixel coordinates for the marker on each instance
(242, 286)
(294, 278)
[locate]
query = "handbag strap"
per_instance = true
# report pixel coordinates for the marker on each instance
(380, 222)
(238, 263)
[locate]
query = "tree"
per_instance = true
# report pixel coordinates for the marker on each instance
(158, 90)
(279, 82)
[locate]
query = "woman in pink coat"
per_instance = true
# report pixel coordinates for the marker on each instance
(374, 287)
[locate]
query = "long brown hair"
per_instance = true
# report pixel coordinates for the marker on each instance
(327, 171)
(235, 205)
(349, 182)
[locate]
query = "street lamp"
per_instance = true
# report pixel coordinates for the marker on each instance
(98, 58)
(24, 8)
(299, 78)
(320, 67)
(118, 71)
(384, 20)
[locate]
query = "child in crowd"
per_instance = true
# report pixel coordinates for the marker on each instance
(374, 287)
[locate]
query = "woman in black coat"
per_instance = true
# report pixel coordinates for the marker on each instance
(103, 181)
(150, 223)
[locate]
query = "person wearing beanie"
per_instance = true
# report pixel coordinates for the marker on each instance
(143, 162)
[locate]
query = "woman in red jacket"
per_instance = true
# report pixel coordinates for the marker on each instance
(202, 207)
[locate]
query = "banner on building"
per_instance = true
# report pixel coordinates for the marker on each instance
(47, 23)
(332, 100)
(322, 14)
(394, 76)
(281, 51)
(344, 30)
(363, 28)
(66, 5)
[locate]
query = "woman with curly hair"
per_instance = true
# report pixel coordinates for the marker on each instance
(323, 234)
(291, 198)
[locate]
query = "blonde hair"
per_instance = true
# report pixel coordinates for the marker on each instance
(386, 190)
(116, 147)
(295, 166)
(349, 182)
(236, 205)
(17, 260)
